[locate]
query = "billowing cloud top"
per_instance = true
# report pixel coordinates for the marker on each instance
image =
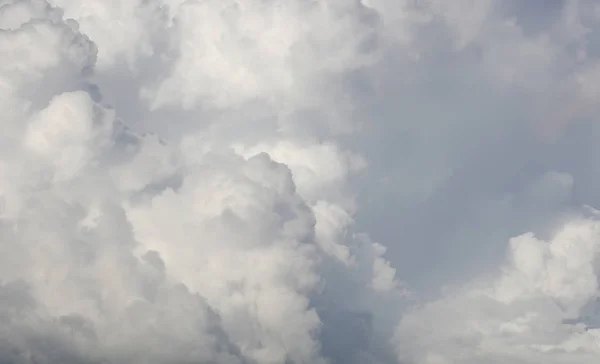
(299, 182)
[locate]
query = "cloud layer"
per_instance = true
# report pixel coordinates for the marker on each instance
(262, 182)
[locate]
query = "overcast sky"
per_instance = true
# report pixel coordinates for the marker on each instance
(293, 181)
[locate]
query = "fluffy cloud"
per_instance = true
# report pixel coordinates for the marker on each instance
(121, 247)
(520, 316)
(262, 181)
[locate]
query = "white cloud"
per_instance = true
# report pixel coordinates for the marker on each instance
(122, 30)
(260, 181)
(125, 248)
(226, 54)
(242, 241)
(518, 316)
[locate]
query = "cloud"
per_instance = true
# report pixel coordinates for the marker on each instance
(119, 246)
(259, 50)
(520, 315)
(260, 181)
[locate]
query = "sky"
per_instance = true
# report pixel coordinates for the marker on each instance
(299, 181)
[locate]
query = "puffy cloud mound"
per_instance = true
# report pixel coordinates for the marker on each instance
(265, 182)
(531, 312)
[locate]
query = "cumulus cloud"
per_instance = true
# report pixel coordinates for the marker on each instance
(264, 182)
(521, 315)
